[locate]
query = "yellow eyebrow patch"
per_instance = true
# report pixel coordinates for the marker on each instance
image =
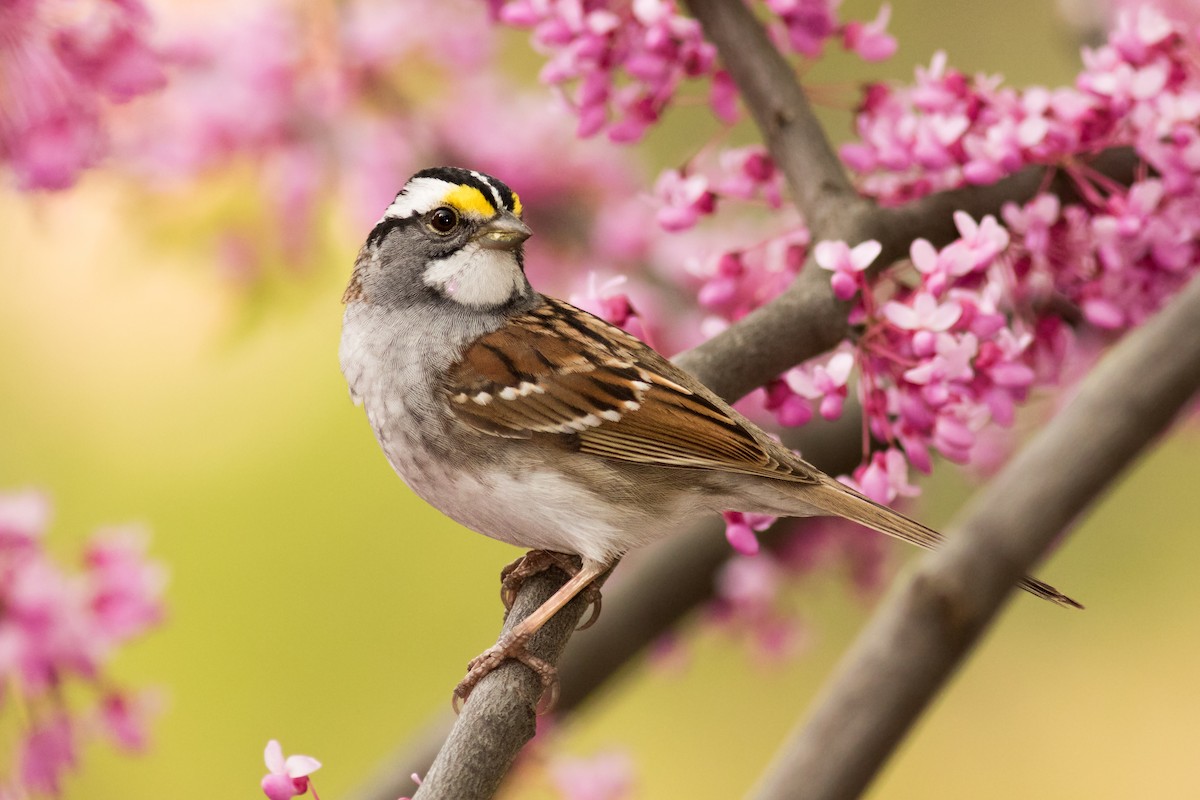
(469, 200)
(516, 204)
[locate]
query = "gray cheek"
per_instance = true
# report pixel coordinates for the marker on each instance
(393, 274)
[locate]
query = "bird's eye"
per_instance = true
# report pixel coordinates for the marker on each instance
(443, 220)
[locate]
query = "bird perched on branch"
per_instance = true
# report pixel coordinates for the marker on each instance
(534, 422)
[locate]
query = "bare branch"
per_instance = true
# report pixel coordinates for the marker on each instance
(500, 716)
(930, 622)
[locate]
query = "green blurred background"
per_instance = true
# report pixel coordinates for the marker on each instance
(315, 600)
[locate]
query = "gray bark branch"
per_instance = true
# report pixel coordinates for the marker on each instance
(931, 621)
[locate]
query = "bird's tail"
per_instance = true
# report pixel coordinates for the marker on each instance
(840, 500)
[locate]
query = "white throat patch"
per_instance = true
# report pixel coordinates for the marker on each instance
(477, 276)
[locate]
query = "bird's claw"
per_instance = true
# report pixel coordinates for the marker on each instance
(535, 562)
(509, 647)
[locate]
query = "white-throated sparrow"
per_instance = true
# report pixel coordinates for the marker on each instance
(533, 422)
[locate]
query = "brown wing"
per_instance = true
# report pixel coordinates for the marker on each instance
(558, 369)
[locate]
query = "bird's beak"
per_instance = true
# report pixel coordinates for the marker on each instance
(503, 232)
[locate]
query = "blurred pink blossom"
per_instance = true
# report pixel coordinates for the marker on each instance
(871, 39)
(58, 77)
(58, 629)
(47, 753)
(684, 199)
(604, 776)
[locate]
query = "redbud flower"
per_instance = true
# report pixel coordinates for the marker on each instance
(684, 199)
(885, 477)
(923, 312)
(823, 378)
(740, 528)
(871, 39)
(846, 264)
(287, 778)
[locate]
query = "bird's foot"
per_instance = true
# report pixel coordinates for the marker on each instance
(509, 646)
(536, 562)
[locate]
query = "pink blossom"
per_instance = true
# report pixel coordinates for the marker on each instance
(125, 718)
(604, 776)
(750, 584)
(1034, 221)
(740, 528)
(23, 518)
(885, 477)
(626, 62)
(952, 361)
(58, 80)
(46, 754)
(823, 379)
(685, 199)
(125, 588)
(808, 23)
(924, 313)
(287, 778)
(109, 52)
(871, 39)
(603, 299)
(846, 264)
(748, 603)
(980, 242)
(748, 173)
(55, 643)
(723, 97)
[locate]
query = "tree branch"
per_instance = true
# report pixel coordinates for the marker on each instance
(500, 717)
(931, 621)
(790, 129)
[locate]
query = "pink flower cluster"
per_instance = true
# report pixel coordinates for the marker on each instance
(948, 129)
(807, 24)
(952, 347)
(61, 65)
(619, 65)
(946, 352)
(744, 173)
(58, 629)
(939, 358)
(604, 776)
(625, 60)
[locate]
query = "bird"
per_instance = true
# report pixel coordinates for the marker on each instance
(534, 422)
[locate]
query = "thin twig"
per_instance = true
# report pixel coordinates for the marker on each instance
(790, 130)
(930, 622)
